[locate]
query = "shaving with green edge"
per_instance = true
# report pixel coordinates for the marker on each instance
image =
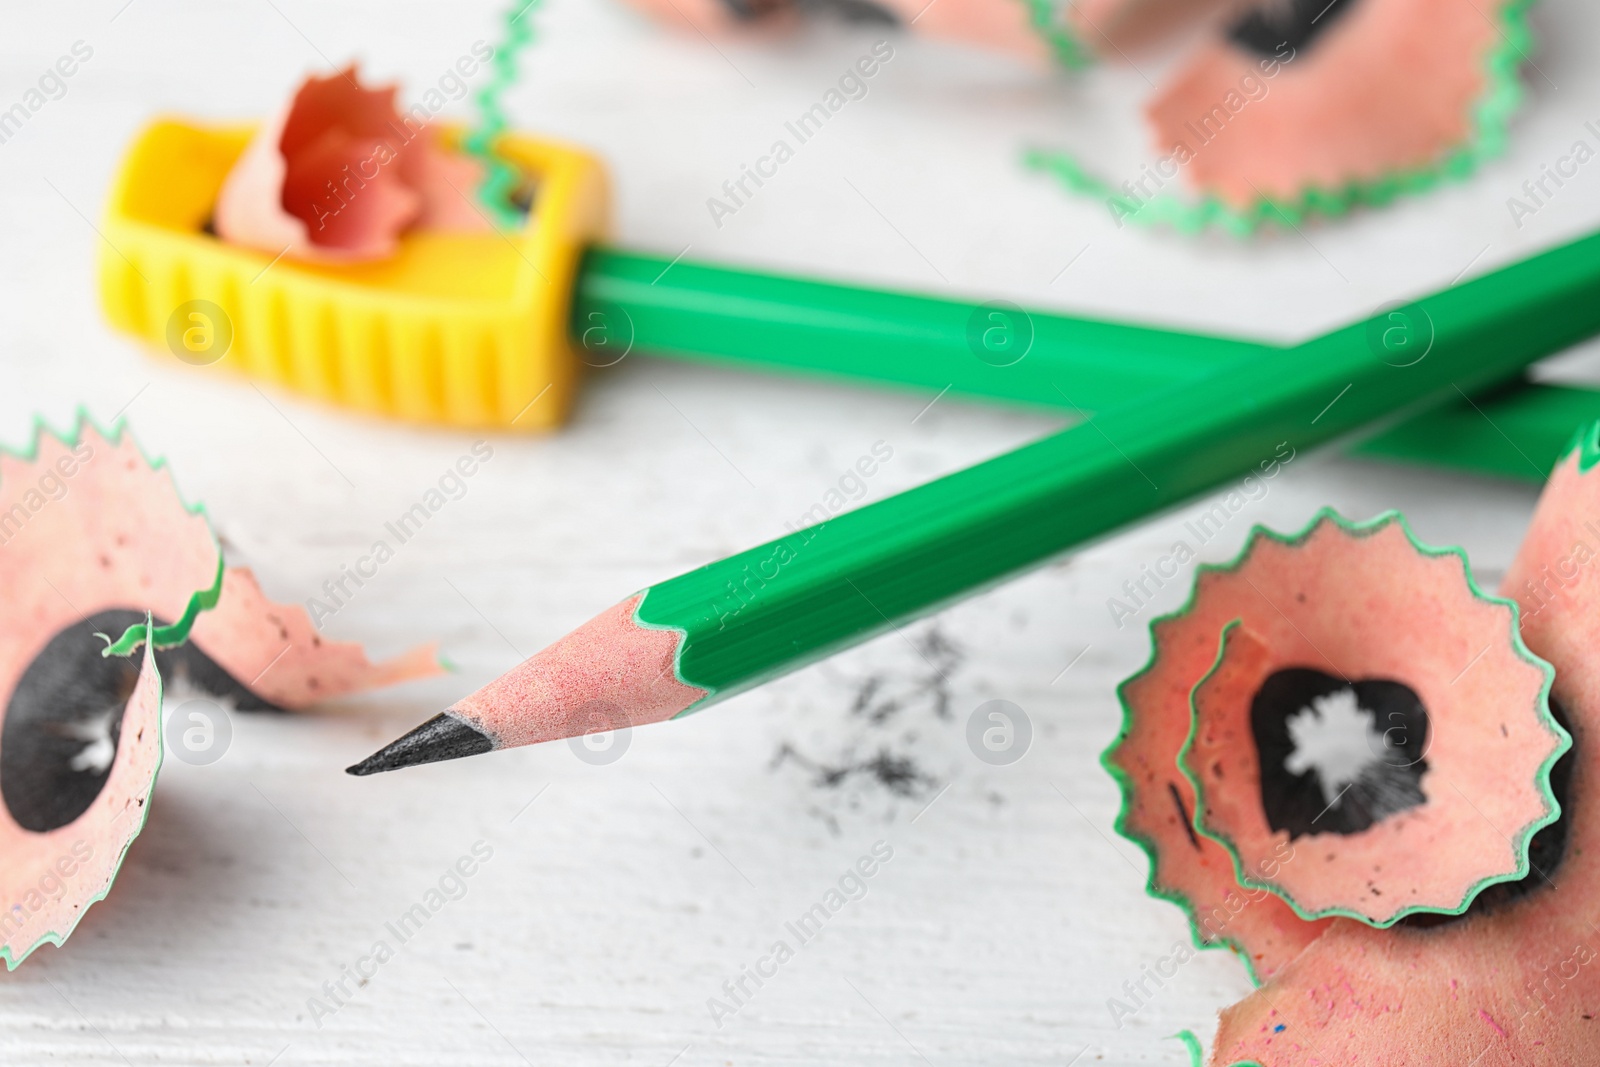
(1246, 124)
(1508, 981)
(1048, 19)
(501, 180)
(1234, 121)
(100, 552)
(1228, 787)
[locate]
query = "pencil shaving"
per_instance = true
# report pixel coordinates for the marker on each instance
(53, 875)
(1513, 981)
(339, 175)
(98, 549)
(1387, 87)
(280, 656)
(87, 525)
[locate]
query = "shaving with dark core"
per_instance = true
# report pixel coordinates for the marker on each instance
(1510, 979)
(1389, 781)
(112, 581)
(63, 721)
(849, 11)
(1296, 24)
(62, 725)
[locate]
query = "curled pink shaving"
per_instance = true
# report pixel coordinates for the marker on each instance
(277, 653)
(340, 175)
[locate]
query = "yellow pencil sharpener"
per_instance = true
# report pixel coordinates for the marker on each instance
(466, 329)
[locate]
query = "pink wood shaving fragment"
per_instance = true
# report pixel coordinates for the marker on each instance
(340, 174)
(275, 651)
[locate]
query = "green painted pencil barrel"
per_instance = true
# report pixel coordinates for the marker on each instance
(997, 351)
(791, 601)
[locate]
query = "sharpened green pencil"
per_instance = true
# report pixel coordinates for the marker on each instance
(733, 624)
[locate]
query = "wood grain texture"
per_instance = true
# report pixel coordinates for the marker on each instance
(619, 897)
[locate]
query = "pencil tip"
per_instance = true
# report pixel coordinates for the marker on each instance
(440, 738)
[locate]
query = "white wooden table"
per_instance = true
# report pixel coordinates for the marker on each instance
(621, 896)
